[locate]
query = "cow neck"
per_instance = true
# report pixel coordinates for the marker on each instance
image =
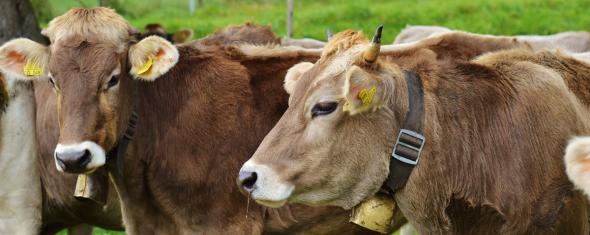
(119, 151)
(410, 139)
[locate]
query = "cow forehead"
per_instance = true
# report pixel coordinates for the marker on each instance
(91, 59)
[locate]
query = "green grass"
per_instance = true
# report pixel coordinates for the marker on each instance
(313, 17)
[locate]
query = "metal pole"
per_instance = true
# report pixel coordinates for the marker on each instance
(290, 18)
(191, 7)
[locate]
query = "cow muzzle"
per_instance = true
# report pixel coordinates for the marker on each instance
(264, 185)
(83, 157)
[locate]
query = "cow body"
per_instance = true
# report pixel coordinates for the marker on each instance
(495, 129)
(576, 42)
(20, 190)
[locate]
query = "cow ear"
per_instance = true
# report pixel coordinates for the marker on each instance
(293, 74)
(182, 36)
(152, 57)
(24, 59)
(577, 163)
(362, 91)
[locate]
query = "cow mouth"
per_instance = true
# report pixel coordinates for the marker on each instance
(271, 203)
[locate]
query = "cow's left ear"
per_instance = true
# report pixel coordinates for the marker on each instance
(24, 59)
(362, 91)
(182, 36)
(152, 57)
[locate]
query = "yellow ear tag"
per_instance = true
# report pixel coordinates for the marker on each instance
(367, 96)
(32, 69)
(148, 64)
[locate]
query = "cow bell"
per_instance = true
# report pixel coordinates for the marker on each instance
(375, 213)
(92, 188)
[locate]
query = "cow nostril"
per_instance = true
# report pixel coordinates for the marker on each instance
(61, 162)
(85, 159)
(248, 180)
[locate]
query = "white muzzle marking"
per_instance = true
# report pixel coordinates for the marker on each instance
(269, 190)
(97, 153)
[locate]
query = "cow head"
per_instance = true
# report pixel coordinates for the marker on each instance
(89, 63)
(332, 146)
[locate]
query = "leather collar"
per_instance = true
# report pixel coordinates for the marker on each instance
(410, 139)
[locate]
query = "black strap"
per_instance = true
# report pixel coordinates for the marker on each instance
(118, 153)
(410, 139)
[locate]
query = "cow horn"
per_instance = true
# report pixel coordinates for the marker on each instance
(329, 33)
(371, 54)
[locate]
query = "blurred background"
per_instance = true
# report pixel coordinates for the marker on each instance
(311, 18)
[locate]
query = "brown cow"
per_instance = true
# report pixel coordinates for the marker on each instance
(495, 130)
(257, 34)
(202, 111)
(246, 33)
(180, 36)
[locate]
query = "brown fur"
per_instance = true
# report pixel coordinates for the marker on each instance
(190, 140)
(496, 128)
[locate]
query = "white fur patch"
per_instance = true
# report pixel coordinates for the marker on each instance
(269, 189)
(20, 189)
(98, 156)
(577, 163)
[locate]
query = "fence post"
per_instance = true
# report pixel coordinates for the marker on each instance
(191, 6)
(290, 18)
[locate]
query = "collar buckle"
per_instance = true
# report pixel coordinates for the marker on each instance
(408, 147)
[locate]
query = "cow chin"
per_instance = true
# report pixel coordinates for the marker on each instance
(84, 157)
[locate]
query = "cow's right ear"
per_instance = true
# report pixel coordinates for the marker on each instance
(577, 163)
(24, 59)
(293, 75)
(152, 57)
(362, 91)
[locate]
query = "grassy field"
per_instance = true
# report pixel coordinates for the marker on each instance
(313, 17)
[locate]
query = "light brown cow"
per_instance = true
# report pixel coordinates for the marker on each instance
(570, 41)
(202, 111)
(495, 130)
(418, 32)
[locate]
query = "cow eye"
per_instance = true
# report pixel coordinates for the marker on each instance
(113, 82)
(51, 82)
(323, 108)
